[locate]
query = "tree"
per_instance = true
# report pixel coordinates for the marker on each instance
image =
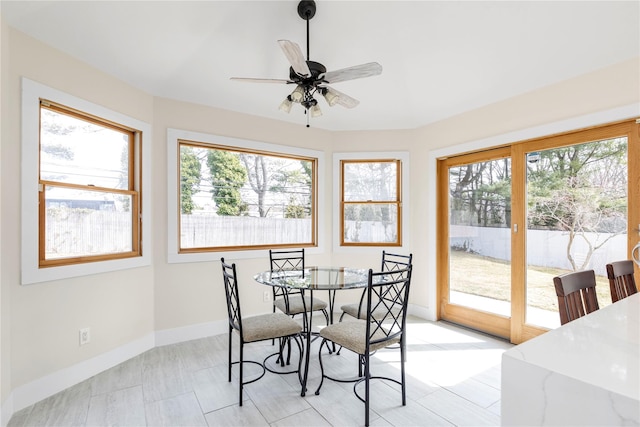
(276, 181)
(59, 125)
(296, 184)
(124, 178)
(228, 176)
(294, 210)
(190, 175)
(480, 194)
(258, 175)
(580, 189)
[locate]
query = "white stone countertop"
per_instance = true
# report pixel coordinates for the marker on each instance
(601, 349)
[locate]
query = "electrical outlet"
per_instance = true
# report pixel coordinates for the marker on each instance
(266, 296)
(85, 336)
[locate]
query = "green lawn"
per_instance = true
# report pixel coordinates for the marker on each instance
(489, 277)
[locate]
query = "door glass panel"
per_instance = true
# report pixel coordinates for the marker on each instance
(576, 219)
(479, 236)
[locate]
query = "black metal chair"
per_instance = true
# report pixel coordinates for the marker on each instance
(576, 292)
(289, 301)
(390, 262)
(257, 328)
(387, 296)
(621, 280)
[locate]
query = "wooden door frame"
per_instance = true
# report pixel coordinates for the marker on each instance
(514, 328)
(491, 323)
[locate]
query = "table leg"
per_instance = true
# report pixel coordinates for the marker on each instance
(332, 301)
(308, 349)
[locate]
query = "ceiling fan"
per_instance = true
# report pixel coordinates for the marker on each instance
(312, 77)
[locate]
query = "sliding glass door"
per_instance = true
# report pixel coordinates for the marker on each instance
(478, 241)
(511, 219)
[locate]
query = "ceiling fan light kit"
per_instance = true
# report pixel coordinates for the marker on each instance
(286, 105)
(298, 94)
(311, 77)
(330, 95)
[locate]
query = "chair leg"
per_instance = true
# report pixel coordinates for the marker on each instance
(280, 358)
(300, 345)
(230, 333)
(402, 376)
(366, 389)
(273, 341)
(339, 320)
(241, 379)
(326, 315)
(329, 318)
(321, 366)
(304, 321)
(282, 342)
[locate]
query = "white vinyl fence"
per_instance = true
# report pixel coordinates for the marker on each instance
(76, 232)
(210, 231)
(544, 248)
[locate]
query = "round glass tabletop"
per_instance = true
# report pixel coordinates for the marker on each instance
(324, 278)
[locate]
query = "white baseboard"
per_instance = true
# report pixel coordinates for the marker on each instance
(6, 411)
(426, 313)
(191, 332)
(30, 393)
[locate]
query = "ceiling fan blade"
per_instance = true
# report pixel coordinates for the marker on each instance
(343, 99)
(252, 80)
(295, 57)
(351, 73)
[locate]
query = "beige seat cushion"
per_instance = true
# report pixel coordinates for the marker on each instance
(295, 304)
(352, 335)
(268, 326)
(352, 310)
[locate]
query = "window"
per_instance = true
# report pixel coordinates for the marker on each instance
(88, 206)
(82, 172)
(235, 195)
(371, 203)
(372, 193)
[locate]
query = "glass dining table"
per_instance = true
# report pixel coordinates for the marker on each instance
(312, 279)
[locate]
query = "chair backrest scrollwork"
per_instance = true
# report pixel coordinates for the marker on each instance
(233, 298)
(387, 301)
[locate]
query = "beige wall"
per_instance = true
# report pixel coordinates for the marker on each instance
(40, 322)
(4, 293)
(44, 319)
(604, 89)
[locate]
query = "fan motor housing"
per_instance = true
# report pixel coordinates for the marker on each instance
(316, 69)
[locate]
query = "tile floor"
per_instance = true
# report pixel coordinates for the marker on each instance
(453, 378)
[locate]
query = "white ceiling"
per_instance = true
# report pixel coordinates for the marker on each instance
(439, 58)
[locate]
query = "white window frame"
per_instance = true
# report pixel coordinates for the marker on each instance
(403, 156)
(32, 92)
(173, 185)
